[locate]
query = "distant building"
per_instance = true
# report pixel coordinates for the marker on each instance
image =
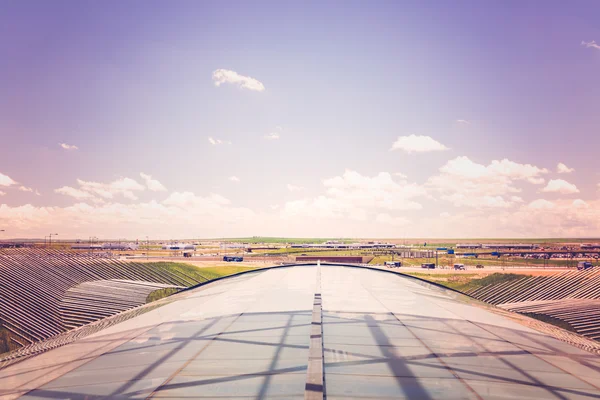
(6, 245)
(120, 246)
(86, 247)
(179, 246)
(590, 246)
(233, 245)
(468, 246)
(336, 259)
(338, 245)
(511, 246)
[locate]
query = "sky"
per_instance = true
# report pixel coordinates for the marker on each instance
(189, 119)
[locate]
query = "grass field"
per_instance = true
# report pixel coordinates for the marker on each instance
(161, 293)
(551, 320)
(6, 344)
(216, 272)
(201, 274)
(190, 272)
(463, 282)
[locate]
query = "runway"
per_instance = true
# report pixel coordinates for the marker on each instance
(312, 332)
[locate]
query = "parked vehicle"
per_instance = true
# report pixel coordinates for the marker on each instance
(393, 264)
(581, 265)
(459, 266)
(428, 265)
(479, 266)
(233, 258)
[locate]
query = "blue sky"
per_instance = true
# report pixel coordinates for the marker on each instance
(132, 86)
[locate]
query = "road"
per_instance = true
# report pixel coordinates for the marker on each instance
(258, 335)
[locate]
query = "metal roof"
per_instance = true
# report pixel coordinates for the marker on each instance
(313, 332)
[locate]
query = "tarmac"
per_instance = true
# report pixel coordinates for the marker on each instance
(312, 332)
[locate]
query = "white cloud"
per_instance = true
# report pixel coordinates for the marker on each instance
(591, 44)
(560, 186)
(463, 122)
(539, 218)
(578, 203)
(463, 167)
(379, 191)
(466, 183)
(189, 200)
(272, 136)
(563, 169)
(213, 208)
(417, 144)
(122, 186)
(126, 184)
(515, 170)
(400, 175)
(68, 146)
(541, 204)
(5, 180)
(221, 76)
(275, 134)
(152, 184)
(75, 193)
(536, 180)
(294, 188)
(353, 196)
(101, 189)
(318, 207)
(216, 142)
(2, 193)
(485, 201)
(129, 195)
(167, 219)
(29, 190)
(234, 179)
(384, 218)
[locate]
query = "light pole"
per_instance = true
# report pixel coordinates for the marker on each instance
(147, 247)
(92, 238)
(50, 239)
